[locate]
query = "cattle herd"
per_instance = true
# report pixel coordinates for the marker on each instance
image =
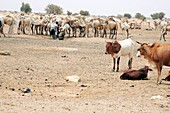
(77, 25)
(95, 26)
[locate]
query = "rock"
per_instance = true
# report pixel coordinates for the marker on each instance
(156, 97)
(12, 89)
(73, 78)
(27, 90)
(132, 86)
(83, 85)
(5, 53)
(168, 95)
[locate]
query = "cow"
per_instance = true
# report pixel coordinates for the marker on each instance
(159, 54)
(164, 31)
(167, 78)
(140, 74)
(120, 48)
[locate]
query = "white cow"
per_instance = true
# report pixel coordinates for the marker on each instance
(121, 48)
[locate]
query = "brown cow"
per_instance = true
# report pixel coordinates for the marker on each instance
(157, 53)
(140, 74)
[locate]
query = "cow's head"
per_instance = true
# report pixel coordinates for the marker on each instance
(109, 48)
(142, 49)
(146, 49)
(116, 47)
(147, 68)
(112, 48)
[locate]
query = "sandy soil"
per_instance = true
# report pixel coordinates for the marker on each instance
(41, 64)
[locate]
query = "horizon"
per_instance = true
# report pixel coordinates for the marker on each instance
(102, 8)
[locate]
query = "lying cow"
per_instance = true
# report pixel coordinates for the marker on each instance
(159, 54)
(140, 74)
(167, 78)
(120, 48)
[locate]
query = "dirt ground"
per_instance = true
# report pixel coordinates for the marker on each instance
(40, 64)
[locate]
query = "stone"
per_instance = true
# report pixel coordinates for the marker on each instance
(73, 78)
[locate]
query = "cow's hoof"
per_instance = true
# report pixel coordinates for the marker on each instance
(113, 70)
(159, 82)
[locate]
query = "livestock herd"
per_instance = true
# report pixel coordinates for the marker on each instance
(73, 26)
(92, 26)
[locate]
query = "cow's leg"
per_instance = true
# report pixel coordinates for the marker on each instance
(2, 31)
(97, 32)
(127, 33)
(113, 33)
(118, 60)
(9, 31)
(32, 29)
(164, 36)
(68, 32)
(94, 32)
(24, 30)
(130, 63)
(159, 69)
(114, 61)
(104, 33)
(161, 37)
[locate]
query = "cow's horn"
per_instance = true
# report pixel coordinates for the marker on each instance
(139, 42)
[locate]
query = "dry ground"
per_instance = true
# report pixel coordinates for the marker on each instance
(41, 64)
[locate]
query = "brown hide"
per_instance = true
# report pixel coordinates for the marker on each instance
(109, 48)
(140, 74)
(112, 48)
(156, 53)
(163, 54)
(116, 47)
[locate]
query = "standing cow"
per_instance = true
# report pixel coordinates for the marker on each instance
(157, 53)
(120, 48)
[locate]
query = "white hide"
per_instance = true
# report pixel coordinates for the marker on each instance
(138, 54)
(127, 48)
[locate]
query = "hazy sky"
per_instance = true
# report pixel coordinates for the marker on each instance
(95, 7)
